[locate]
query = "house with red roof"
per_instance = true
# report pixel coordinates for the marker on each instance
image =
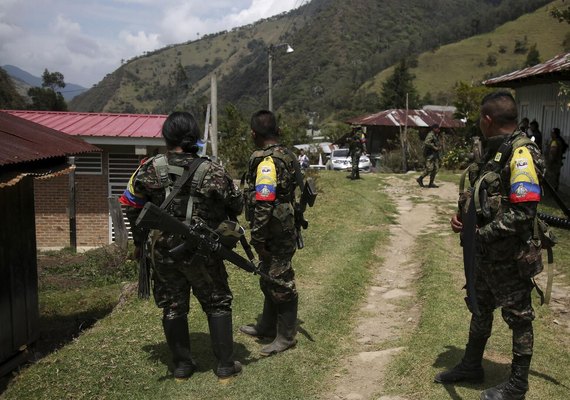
(125, 139)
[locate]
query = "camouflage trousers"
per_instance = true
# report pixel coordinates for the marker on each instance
(499, 284)
(431, 168)
(173, 281)
(279, 267)
(355, 171)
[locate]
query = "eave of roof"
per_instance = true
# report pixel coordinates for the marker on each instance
(97, 124)
(553, 70)
(23, 141)
(411, 118)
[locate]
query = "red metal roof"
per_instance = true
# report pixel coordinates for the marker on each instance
(23, 141)
(557, 68)
(415, 118)
(97, 124)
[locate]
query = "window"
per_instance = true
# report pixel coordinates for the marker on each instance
(89, 164)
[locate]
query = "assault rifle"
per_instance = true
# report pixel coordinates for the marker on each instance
(308, 196)
(199, 239)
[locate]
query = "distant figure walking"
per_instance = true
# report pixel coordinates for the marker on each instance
(432, 149)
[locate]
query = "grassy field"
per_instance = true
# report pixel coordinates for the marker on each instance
(124, 355)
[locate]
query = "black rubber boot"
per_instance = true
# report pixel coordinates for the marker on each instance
(286, 329)
(517, 385)
(469, 369)
(267, 326)
(178, 340)
(420, 181)
(223, 345)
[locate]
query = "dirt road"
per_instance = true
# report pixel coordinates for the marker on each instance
(390, 309)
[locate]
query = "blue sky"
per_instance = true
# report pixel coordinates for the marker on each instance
(86, 39)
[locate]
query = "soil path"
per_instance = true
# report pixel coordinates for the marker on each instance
(390, 309)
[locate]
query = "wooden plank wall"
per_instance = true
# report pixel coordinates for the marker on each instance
(19, 313)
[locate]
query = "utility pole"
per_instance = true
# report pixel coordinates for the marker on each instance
(214, 128)
(72, 210)
(270, 78)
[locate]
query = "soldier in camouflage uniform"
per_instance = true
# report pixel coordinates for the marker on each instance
(269, 198)
(213, 198)
(507, 252)
(432, 148)
(355, 149)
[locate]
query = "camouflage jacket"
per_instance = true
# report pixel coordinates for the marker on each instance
(509, 192)
(432, 145)
(269, 204)
(215, 196)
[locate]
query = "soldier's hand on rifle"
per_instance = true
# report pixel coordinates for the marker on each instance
(456, 224)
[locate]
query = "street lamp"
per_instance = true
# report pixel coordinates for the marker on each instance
(271, 50)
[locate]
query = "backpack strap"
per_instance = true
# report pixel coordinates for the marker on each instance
(188, 172)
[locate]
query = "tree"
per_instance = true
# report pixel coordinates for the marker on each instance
(467, 102)
(10, 99)
(397, 86)
(533, 57)
(47, 98)
(52, 80)
(236, 144)
(44, 99)
(561, 14)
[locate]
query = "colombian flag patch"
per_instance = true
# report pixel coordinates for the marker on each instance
(266, 180)
(524, 181)
(129, 197)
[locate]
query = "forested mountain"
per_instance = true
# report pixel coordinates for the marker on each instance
(341, 49)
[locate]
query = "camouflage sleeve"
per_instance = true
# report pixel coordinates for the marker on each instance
(430, 141)
(526, 169)
(218, 186)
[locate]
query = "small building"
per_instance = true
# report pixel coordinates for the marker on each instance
(28, 152)
(383, 128)
(542, 93)
(125, 139)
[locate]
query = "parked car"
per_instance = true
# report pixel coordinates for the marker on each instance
(339, 160)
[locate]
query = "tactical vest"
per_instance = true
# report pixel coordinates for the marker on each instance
(196, 171)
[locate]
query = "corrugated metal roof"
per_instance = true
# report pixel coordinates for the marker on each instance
(24, 141)
(97, 124)
(415, 118)
(557, 68)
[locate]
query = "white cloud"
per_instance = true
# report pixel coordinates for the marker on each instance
(85, 41)
(140, 41)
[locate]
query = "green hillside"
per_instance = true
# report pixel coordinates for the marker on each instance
(439, 70)
(340, 47)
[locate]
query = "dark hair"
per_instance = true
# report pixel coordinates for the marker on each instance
(435, 126)
(501, 107)
(263, 123)
(181, 129)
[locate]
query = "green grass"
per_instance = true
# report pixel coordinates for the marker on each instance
(125, 356)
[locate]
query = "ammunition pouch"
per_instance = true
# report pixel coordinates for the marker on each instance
(230, 233)
(529, 261)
